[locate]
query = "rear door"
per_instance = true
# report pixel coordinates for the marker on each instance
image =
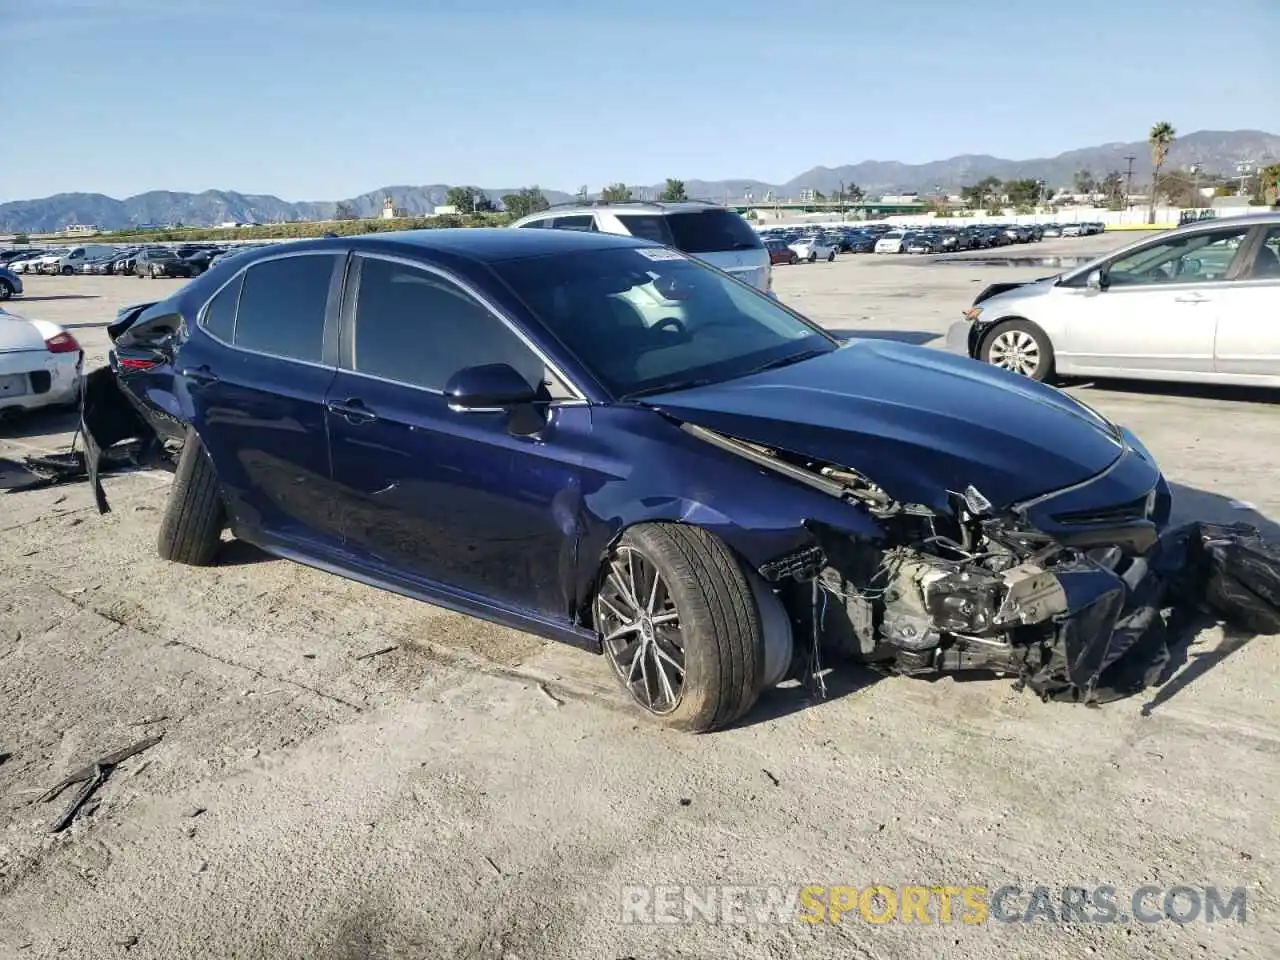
(1158, 311)
(431, 494)
(1248, 311)
(257, 381)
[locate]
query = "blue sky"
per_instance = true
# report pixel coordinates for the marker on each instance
(325, 99)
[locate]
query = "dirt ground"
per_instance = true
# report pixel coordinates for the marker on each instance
(479, 793)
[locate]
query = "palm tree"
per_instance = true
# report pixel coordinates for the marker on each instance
(1161, 139)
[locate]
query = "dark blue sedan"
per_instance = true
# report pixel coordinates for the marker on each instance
(607, 442)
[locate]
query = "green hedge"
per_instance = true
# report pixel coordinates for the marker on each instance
(297, 231)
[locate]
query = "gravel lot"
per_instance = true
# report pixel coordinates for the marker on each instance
(479, 793)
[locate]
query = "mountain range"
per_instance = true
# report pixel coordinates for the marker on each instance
(1216, 151)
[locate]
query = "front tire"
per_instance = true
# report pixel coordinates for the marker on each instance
(793, 259)
(680, 626)
(194, 517)
(6, 289)
(1021, 347)
(831, 257)
(67, 271)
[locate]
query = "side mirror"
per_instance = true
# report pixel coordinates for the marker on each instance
(1094, 282)
(490, 386)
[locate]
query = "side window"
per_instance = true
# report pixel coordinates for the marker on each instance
(534, 224)
(220, 315)
(1188, 258)
(416, 327)
(587, 222)
(282, 307)
(1266, 259)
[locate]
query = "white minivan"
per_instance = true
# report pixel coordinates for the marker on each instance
(706, 230)
(73, 260)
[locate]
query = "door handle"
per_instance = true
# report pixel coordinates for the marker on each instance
(352, 410)
(201, 375)
(1190, 298)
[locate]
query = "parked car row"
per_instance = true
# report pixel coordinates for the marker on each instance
(152, 260)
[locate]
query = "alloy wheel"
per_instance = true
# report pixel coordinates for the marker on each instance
(640, 624)
(1016, 351)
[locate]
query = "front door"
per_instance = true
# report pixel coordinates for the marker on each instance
(257, 378)
(1156, 312)
(430, 494)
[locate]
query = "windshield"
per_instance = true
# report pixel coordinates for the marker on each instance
(644, 320)
(703, 231)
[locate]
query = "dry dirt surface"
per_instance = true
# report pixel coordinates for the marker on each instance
(475, 792)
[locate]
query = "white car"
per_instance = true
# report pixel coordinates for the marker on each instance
(1196, 304)
(1073, 230)
(811, 249)
(47, 263)
(39, 364)
(892, 242)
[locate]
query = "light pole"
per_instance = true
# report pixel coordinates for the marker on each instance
(1243, 170)
(842, 201)
(1194, 170)
(1128, 184)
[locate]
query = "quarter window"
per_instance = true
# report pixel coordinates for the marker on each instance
(1266, 260)
(416, 327)
(220, 315)
(282, 307)
(574, 223)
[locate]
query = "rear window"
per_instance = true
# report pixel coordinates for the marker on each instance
(708, 231)
(703, 231)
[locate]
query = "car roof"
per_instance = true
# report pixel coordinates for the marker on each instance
(651, 207)
(481, 244)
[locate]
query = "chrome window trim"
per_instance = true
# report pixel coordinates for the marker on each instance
(204, 309)
(488, 305)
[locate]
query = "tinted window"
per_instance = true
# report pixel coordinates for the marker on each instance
(220, 315)
(535, 225)
(1266, 260)
(417, 327)
(649, 319)
(709, 231)
(646, 227)
(282, 307)
(574, 223)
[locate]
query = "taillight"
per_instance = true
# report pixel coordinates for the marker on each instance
(62, 343)
(129, 363)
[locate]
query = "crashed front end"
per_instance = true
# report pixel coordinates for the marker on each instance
(1067, 591)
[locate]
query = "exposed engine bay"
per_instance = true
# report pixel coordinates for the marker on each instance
(979, 590)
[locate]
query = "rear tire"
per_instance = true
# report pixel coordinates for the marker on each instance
(194, 517)
(707, 620)
(831, 257)
(67, 271)
(6, 289)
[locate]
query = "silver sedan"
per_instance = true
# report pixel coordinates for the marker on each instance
(1199, 303)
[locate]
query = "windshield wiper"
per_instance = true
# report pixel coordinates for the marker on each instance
(787, 361)
(670, 387)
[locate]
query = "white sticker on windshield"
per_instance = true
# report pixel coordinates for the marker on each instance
(660, 253)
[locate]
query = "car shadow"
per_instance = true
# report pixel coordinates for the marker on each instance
(1190, 503)
(61, 296)
(839, 679)
(914, 337)
(240, 553)
(27, 425)
(1199, 391)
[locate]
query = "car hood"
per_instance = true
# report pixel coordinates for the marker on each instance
(916, 421)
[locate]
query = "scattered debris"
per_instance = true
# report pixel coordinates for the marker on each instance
(489, 860)
(127, 942)
(772, 779)
(542, 688)
(144, 721)
(92, 776)
(192, 812)
(4, 757)
(685, 801)
(379, 652)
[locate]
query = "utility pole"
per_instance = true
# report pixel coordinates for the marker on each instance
(1128, 183)
(1195, 173)
(842, 201)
